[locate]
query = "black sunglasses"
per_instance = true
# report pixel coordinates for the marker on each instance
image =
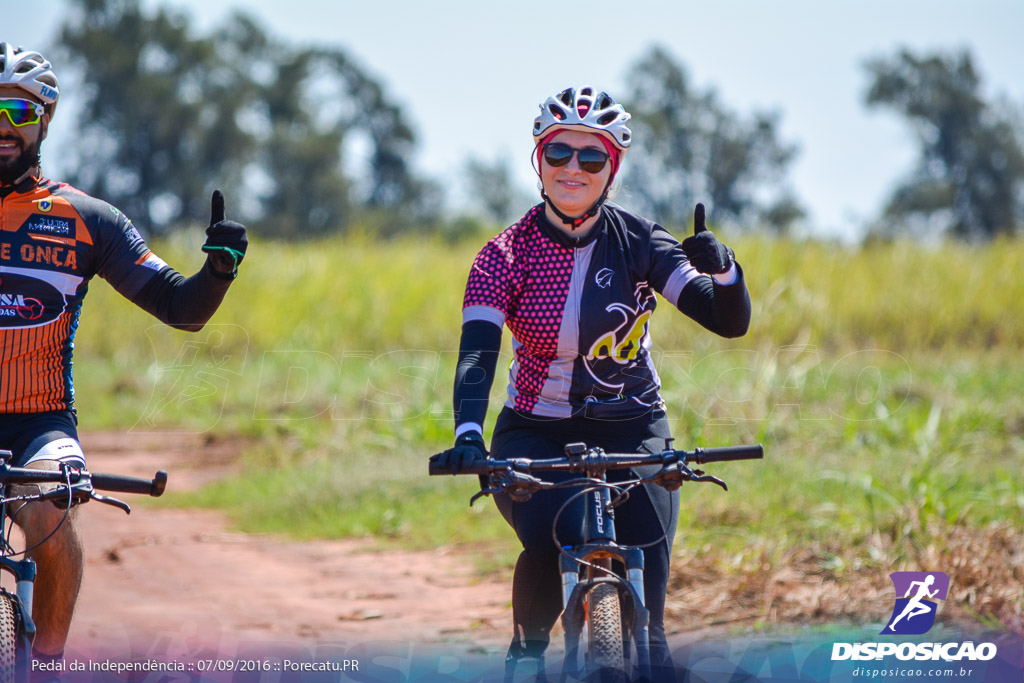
(559, 154)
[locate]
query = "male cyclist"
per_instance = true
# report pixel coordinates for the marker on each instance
(53, 240)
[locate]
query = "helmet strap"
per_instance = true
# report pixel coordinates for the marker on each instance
(574, 222)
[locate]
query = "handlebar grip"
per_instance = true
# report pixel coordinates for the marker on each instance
(117, 482)
(480, 467)
(727, 453)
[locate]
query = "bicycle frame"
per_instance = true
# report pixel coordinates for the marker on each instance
(76, 486)
(585, 567)
(24, 573)
(597, 552)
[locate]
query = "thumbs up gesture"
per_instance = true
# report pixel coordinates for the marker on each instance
(225, 241)
(703, 249)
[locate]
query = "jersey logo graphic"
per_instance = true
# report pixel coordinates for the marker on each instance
(604, 278)
(28, 302)
(623, 343)
(914, 613)
(45, 205)
(50, 225)
(23, 307)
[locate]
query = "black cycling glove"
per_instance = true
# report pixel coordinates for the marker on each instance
(225, 241)
(703, 249)
(468, 450)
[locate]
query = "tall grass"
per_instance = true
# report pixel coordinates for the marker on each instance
(884, 382)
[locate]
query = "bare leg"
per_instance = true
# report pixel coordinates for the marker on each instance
(60, 566)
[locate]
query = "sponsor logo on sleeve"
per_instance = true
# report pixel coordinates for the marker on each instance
(133, 236)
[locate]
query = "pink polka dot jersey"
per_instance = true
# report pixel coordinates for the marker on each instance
(579, 311)
(526, 276)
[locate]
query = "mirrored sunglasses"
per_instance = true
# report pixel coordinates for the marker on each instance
(21, 112)
(590, 160)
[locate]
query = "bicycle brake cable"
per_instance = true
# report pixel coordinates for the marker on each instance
(596, 483)
(66, 469)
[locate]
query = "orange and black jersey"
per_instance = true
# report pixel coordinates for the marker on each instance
(53, 240)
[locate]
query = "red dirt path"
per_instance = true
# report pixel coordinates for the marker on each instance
(169, 581)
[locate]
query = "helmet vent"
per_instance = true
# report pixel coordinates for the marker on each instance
(585, 109)
(557, 112)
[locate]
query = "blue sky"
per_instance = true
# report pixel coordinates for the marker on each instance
(470, 74)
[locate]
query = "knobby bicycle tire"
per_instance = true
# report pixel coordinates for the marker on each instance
(606, 661)
(8, 639)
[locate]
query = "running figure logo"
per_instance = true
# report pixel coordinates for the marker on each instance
(914, 612)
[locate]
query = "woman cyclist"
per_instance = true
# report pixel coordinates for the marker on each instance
(574, 280)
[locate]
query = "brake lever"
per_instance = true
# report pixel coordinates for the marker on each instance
(481, 493)
(114, 502)
(672, 476)
(713, 480)
(518, 485)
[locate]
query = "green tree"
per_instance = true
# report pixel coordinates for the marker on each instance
(493, 189)
(168, 114)
(969, 180)
(690, 148)
(158, 114)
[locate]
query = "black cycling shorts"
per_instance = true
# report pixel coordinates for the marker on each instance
(647, 519)
(41, 436)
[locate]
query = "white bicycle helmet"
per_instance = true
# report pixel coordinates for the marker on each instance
(585, 109)
(31, 72)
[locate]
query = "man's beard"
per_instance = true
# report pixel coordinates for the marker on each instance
(12, 170)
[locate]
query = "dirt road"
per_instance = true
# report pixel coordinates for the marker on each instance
(164, 581)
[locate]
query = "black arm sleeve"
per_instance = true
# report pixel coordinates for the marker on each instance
(183, 303)
(722, 309)
(474, 375)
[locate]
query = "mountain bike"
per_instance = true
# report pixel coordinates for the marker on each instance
(604, 617)
(72, 486)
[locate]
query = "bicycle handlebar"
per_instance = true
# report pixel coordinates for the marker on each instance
(104, 482)
(583, 459)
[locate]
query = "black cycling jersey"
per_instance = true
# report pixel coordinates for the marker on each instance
(579, 312)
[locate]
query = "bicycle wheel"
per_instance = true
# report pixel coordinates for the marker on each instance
(606, 661)
(8, 639)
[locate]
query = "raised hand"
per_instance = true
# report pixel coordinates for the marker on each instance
(703, 249)
(225, 240)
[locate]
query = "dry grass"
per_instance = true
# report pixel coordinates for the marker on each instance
(985, 566)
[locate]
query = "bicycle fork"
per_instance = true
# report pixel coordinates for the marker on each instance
(599, 551)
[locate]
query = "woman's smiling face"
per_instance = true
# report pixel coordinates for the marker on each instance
(569, 187)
